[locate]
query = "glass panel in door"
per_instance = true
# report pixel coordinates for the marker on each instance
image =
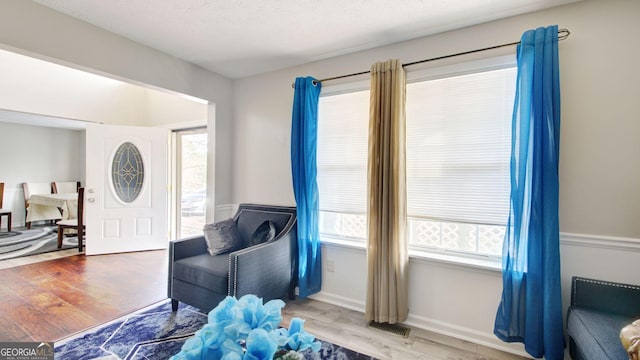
(191, 161)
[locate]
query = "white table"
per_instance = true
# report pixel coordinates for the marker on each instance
(45, 206)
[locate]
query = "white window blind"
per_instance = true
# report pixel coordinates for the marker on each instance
(342, 152)
(342, 164)
(458, 147)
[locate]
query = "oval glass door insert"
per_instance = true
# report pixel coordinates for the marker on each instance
(127, 172)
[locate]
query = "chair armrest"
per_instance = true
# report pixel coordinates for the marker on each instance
(181, 249)
(264, 270)
(606, 296)
(187, 247)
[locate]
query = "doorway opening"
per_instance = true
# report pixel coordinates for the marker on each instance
(190, 172)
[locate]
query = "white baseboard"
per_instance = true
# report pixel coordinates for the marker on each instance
(455, 331)
(466, 334)
(338, 300)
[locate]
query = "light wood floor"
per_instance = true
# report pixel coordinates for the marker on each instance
(348, 328)
(52, 299)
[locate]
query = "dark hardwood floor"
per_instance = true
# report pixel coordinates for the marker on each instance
(49, 300)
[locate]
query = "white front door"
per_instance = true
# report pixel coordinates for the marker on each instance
(126, 189)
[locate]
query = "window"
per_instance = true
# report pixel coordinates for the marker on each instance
(127, 172)
(458, 149)
(190, 158)
(342, 164)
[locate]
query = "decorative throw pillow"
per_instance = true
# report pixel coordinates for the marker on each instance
(264, 233)
(222, 237)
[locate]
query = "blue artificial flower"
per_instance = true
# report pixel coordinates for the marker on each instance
(298, 339)
(272, 315)
(246, 329)
(257, 315)
(231, 356)
(237, 329)
(296, 325)
(224, 312)
(212, 341)
(232, 351)
(251, 313)
(191, 350)
(260, 346)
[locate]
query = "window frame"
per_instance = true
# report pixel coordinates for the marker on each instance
(471, 259)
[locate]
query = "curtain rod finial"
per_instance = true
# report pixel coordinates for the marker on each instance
(314, 82)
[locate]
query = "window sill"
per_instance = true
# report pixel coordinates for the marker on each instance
(343, 243)
(422, 256)
(470, 262)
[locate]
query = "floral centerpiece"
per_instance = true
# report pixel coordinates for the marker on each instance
(247, 329)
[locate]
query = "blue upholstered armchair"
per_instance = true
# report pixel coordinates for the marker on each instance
(267, 270)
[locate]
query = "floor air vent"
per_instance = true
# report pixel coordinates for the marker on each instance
(392, 328)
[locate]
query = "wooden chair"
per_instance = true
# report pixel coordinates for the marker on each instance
(77, 223)
(4, 212)
(65, 186)
(32, 188)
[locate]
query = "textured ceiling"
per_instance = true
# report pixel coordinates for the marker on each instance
(239, 38)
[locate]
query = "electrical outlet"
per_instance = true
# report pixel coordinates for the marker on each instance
(331, 266)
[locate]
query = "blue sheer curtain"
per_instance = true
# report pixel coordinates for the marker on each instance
(304, 135)
(531, 306)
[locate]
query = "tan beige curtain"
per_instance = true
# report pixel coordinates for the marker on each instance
(387, 256)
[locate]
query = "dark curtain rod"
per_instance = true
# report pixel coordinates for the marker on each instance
(562, 35)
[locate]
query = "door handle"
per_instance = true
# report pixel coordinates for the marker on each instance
(91, 200)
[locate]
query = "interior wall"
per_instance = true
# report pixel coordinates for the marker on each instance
(36, 86)
(31, 29)
(599, 184)
(164, 109)
(599, 192)
(37, 154)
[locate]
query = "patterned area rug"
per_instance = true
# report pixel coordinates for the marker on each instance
(30, 242)
(157, 333)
